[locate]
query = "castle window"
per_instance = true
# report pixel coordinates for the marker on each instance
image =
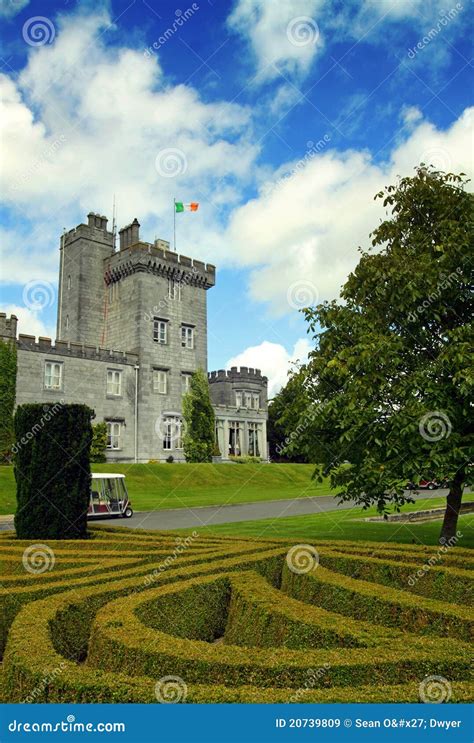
(160, 381)
(253, 447)
(234, 438)
(238, 399)
(185, 382)
(53, 376)
(187, 336)
(67, 322)
(69, 282)
(174, 289)
(114, 435)
(256, 400)
(160, 330)
(114, 382)
(172, 433)
(248, 399)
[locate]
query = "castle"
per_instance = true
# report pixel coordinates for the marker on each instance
(131, 330)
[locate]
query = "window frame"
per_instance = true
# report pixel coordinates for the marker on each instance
(51, 387)
(160, 323)
(111, 436)
(113, 384)
(187, 332)
(163, 375)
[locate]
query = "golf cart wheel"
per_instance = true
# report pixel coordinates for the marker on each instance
(431, 486)
(128, 513)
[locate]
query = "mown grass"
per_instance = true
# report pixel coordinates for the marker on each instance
(349, 524)
(158, 486)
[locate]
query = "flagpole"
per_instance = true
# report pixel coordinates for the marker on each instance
(174, 224)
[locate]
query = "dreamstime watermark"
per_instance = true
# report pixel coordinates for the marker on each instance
(182, 544)
(44, 683)
(443, 21)
(49, 413)
(38, 31)
(171, 690)
(434, 690)
(435, 426)
(314, 675)
(434, 559)
(302, 293)
(38, 558)
(171, 162)
(302, 558)
(38, 295)
(302, 30)
(312, 149)
(182, 17)
(433, 296)
(38, 163)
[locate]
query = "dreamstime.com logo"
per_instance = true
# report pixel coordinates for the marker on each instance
(171, 162)
(69, 725)
(171, 690)
(38, 558)
(302, 30)
(435, 426)
(38, 31)
(435, 690)
(302, 558)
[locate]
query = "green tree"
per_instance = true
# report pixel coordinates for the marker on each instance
(199, 434)
(391, 378)
(99, 442)
(52, 470)
(286, 419)
(8, 365)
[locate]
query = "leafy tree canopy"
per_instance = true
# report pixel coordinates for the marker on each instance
(391, 378)
(199, 433)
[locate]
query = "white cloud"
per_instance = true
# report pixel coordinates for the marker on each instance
(301, 238)
(274, 361)
(10, 8)
(283, 36)
(29, 321)
(85, 121)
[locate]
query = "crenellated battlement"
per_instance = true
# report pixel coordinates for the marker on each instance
(156, 259)
(235, 374)
(8, 325)
(76, 350)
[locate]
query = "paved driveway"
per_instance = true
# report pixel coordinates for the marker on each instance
(183, 518)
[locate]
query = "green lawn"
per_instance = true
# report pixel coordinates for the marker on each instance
(346, 525)
(157, 486)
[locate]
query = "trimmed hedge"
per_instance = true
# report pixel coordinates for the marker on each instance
(230, 618)
(52, 470)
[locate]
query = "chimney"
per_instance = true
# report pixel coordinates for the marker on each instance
(130, 234)
(98, 221)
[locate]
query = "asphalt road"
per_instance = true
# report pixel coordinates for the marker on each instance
(183, 518)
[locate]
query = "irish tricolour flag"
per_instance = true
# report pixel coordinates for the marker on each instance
(180, 207)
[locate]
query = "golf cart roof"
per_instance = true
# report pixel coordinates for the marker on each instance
(106, 475)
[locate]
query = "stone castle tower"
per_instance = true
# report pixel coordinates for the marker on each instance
(131, 330)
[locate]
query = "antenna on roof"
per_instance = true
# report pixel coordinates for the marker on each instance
(114, 226)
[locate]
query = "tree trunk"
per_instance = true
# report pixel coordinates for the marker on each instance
(453, 507)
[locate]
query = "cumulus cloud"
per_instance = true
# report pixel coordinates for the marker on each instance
(274, 361)
(29, 321)
(10, 8)
(283, 36)
(301, 237)
(85, 120)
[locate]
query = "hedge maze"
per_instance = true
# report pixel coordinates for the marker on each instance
(151, 617)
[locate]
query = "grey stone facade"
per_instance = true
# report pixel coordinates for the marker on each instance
(131, 329)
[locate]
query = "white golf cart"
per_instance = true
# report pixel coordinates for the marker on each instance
(109, 497)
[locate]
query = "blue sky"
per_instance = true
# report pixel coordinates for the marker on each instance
(281, 118)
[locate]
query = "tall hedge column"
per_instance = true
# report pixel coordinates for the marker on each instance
(52, 470)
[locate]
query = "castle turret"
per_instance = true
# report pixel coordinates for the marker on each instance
(8, 326)
(81, 304)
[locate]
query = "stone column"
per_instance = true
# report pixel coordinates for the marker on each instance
(262, 439)
(244, 440)
(225, 447)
